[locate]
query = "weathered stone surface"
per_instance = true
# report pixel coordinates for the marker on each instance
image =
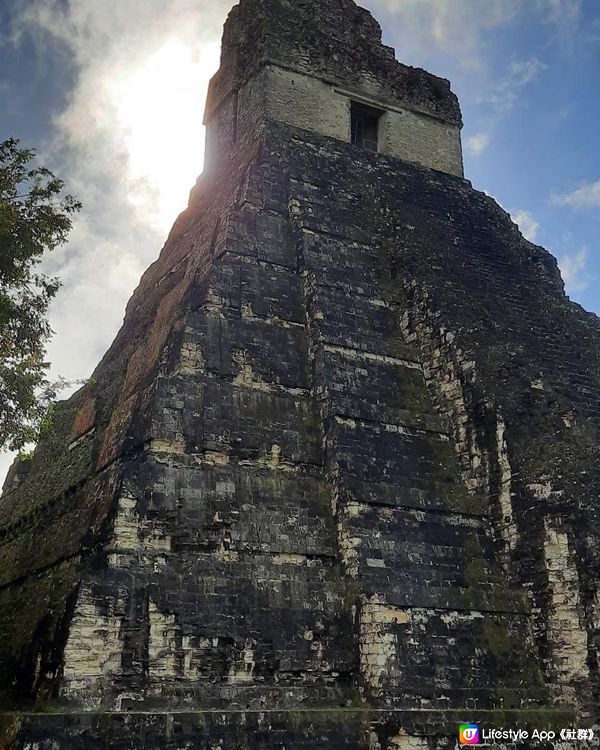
(331, 729)
(334, 485)
(336, 40)
(303, 63)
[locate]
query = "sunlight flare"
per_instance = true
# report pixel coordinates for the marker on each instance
(159, 109)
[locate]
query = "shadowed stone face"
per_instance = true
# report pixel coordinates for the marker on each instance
(334, 484)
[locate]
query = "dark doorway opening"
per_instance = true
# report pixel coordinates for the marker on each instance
(364, 128)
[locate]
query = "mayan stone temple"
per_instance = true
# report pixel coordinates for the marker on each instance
(336, 482)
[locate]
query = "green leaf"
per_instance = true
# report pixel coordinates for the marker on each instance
(35, 218)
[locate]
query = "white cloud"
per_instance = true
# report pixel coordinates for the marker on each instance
(527, 224)
(573, 266)
(129, 144)
(477, 144)
(560, 12)
(456, 28)
(526, 71)
(506, 94)
(574, 271)
(592, 31)
(6, 460)
(586, 196)
(503, 98)
(460, 29)
(564, 16)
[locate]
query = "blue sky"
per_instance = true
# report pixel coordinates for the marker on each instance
(529, 86)
(111, 94)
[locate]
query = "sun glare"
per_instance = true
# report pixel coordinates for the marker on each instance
(159, 107)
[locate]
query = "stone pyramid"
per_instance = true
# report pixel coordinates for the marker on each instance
(336, 482)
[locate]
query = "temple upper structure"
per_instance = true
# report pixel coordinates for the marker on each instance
(326, 70)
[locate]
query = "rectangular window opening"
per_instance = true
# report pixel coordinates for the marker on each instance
(364, 128)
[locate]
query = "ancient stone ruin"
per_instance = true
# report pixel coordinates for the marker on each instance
(336, 482)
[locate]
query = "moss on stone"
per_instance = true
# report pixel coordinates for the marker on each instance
(497, 639)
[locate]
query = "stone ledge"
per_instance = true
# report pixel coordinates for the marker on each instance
(357, 728)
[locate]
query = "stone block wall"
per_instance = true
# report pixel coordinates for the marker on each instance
(334, 484)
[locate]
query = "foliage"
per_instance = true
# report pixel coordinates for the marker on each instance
(34, 219)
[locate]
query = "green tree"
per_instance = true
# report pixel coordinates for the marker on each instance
(35, 218)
